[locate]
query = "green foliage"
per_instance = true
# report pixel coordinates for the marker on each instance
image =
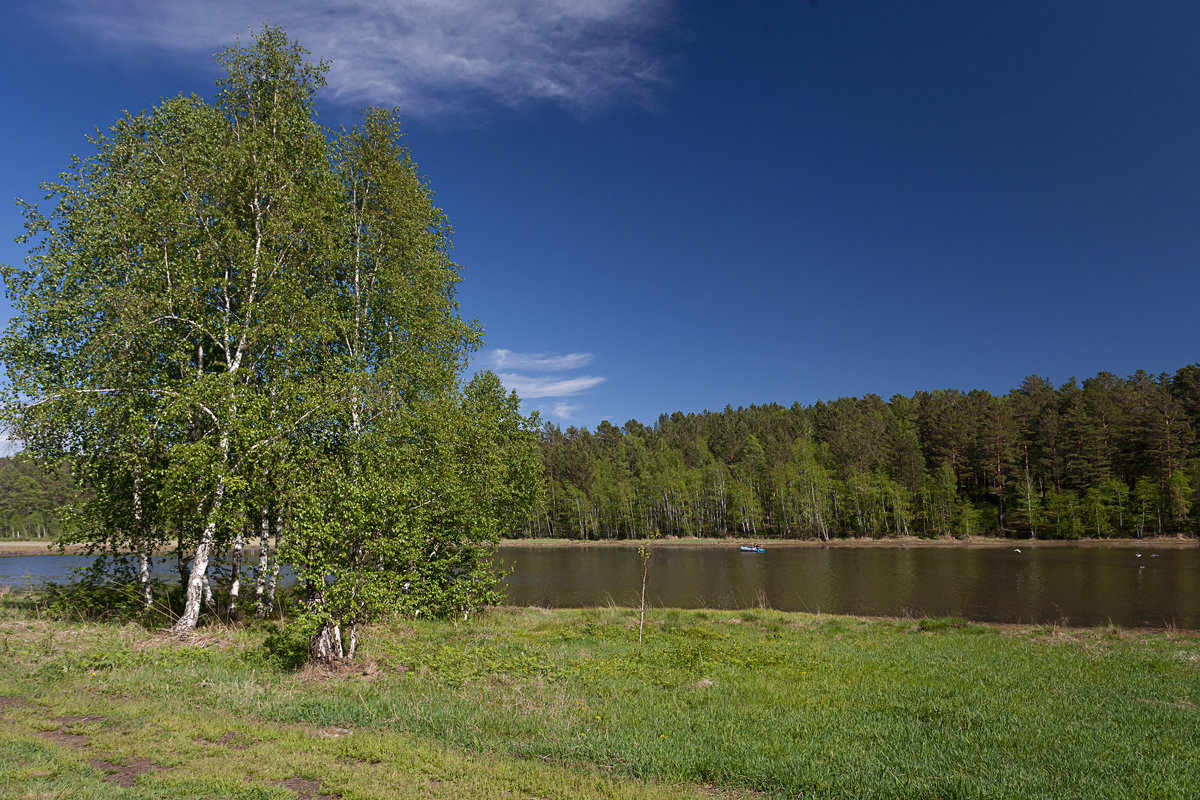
(32, 497)
(234, 322)
(108, 589)
(941, 623)
(1062, 514)
(1179, 497)
(287, 646)
(406, 520)
(1109, 457)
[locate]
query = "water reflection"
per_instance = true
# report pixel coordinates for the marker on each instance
(1061, 585)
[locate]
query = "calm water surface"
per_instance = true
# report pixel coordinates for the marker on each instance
(1062, 585)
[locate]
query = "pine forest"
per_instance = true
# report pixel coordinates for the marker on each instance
(1108, 457)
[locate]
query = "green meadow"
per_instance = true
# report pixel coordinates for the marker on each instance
(531, 703)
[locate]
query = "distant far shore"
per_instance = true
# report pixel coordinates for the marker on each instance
(45, 547)
(36, 548)
(895, 541)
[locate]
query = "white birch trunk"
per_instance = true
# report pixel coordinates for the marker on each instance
(261, 609)
(274, 579)
(326, 645)
(235, 583)
(198, 579)
(195, 585)
(144, 575)
(139, 539)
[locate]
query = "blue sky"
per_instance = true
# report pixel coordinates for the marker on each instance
(666, 205)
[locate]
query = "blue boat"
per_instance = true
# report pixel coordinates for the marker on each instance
(748, 549)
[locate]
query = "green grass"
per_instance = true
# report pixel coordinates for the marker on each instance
(538, 703)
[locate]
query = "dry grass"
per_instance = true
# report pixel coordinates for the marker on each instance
(566, 704)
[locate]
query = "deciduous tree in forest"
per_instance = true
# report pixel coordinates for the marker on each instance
(1109, 456)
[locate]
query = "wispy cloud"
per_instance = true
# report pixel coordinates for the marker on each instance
(563, 410)
(538, 362)
(550, 383)
(534, 386)
(428, 57)
(10, 445)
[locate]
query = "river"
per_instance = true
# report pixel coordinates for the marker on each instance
(1081, 586)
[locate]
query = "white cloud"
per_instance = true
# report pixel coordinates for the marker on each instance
(562, 410)
(538, 362)
(554, 383)
(428, 57)
(532, 386)
(10, 445)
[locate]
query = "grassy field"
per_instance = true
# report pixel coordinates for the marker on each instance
(566, 704)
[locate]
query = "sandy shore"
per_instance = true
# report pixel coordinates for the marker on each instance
(35, 548)
(46, 548)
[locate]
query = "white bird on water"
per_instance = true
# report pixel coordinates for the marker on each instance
(1016, 549)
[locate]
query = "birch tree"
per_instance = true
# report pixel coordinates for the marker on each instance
(264, 312)
(404, 520)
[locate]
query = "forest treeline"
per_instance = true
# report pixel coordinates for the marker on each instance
(32, 498)
(1108, 457)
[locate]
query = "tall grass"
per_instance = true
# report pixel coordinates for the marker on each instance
(789, 705)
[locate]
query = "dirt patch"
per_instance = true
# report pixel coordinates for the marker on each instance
(1182, 705)
(68, 739)
(319, 673)
(333, 732)
(306, 790)
(76, 720)
(168, 639)
(714, 791)
(127, 774)
(367, 670)
(231, 739)
(14, 702)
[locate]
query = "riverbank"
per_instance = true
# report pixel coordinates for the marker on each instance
(558, 704)
(43, 547)
(34, 547)
(894, 541)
